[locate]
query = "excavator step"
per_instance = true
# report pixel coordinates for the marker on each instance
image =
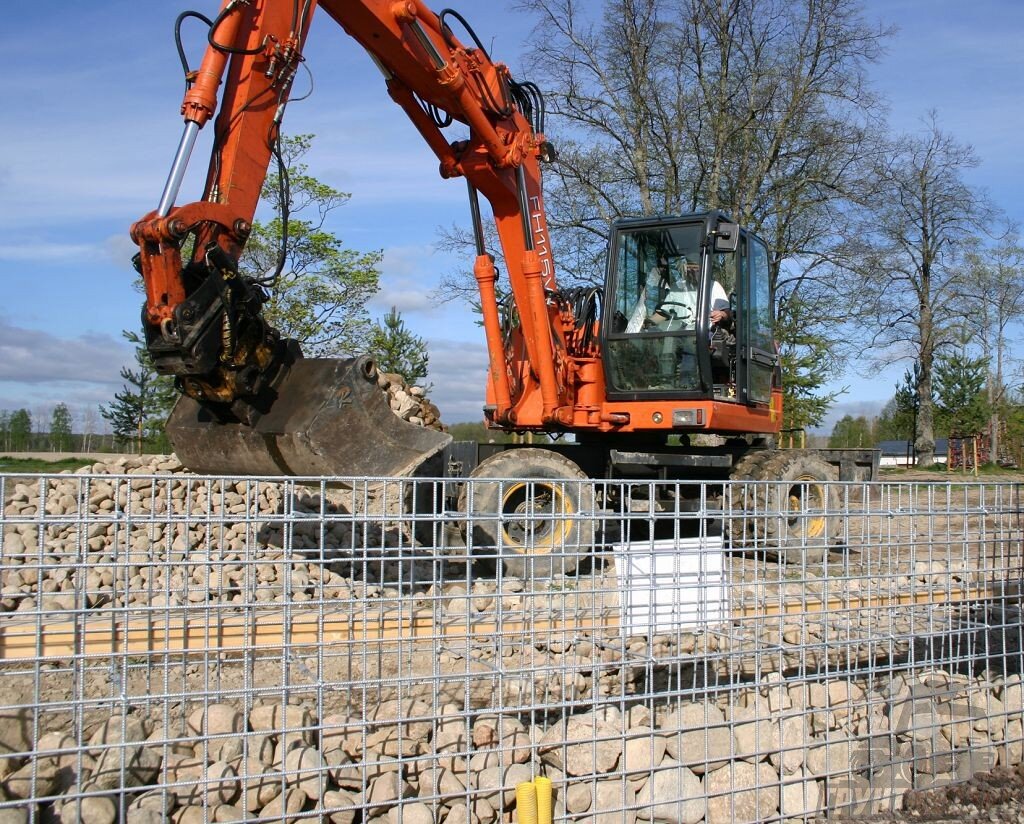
(329, 418)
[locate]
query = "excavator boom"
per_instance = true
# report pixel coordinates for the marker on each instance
(250, 402)
(621, 365)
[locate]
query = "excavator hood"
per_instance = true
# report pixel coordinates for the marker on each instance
(329, 418)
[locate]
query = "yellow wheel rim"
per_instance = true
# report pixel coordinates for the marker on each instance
(539, 521)
(808, 494)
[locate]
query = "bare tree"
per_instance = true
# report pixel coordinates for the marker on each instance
(757, 107)
(994, 294)
(909, 257)
(89, 422)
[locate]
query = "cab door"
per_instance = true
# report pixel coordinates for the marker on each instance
(756, 323)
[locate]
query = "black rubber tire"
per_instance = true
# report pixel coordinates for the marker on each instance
(558, 542)
(796, 481)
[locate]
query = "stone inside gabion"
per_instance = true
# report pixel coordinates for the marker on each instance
(431, 756)
(623, 726)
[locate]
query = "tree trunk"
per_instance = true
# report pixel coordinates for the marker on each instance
(924, 440)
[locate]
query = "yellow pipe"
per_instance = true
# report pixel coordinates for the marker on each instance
(544, 811)
(526, 802)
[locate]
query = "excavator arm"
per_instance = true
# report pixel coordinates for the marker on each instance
(203, 319)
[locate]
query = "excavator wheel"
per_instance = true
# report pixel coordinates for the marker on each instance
(794, 513)
(539, 517)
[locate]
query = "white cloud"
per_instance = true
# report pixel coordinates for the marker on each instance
(458, 372)
(409, 279)
(120, 249)
(33, 356)
(46, 252)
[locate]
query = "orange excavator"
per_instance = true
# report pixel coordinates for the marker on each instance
(679, 341)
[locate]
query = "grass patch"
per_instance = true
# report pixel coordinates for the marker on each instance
(9, 464)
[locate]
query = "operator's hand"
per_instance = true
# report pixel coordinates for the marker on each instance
(719, 315)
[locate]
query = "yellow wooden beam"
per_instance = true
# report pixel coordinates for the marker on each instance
(99, 634)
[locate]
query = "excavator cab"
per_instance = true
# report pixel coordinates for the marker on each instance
(688, 311)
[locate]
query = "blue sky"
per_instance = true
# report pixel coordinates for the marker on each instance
(92, 97)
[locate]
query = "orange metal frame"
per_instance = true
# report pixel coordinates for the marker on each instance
(541, 378)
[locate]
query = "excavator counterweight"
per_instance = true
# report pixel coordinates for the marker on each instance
(329, 418)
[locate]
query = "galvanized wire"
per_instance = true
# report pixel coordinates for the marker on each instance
(196, 649)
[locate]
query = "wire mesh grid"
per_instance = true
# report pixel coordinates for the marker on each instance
(192, 649)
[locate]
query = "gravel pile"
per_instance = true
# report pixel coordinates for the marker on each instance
(174, 538)
(757, 752)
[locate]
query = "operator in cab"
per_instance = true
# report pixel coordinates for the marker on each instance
(678, 282)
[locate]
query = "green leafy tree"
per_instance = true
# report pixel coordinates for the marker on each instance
(962, 402)
(60, 428)
(5, 429)
(138, 413)
(21, 430)
(318, 288)
(892, 423)
(808, 360)
(398, 350)
(851, 433)
(1013, 412)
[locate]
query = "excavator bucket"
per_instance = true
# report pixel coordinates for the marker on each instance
(329, 418)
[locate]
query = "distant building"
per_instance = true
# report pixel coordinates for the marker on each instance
(894, 453)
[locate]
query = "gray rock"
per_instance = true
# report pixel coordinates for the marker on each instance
(457, 814)
(801, 795)
(498, 786)
(126, 767)
(889, 783)
(833, 757)
(216, 719)
(643, 752)
(341, 807)
(259, 788)
(696, 735)
(848, 795)
(20, 784)
(975, 760)
(144, 815)
(571, 746)
(344, 770)
(411, 813)
(441, 783)
(578, 797)
(288, 804)
(672, 794)
(216, 784)
(14, 815)
(386, 790)
(117, 730)
(933, 755)
(92, 809)
(751, 732)
(788, 743)
(741, 793)
(306, 769)
(913, 717)
(612, 800)
(162, 800)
